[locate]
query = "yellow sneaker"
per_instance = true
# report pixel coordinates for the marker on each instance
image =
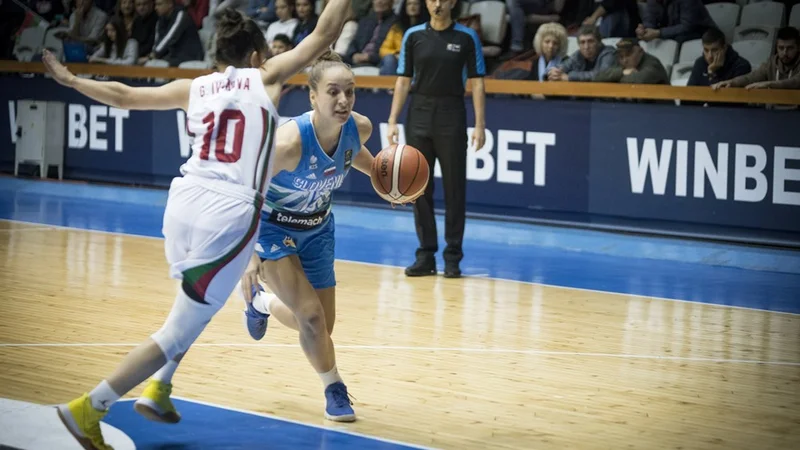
(155, 405)
(83, 422)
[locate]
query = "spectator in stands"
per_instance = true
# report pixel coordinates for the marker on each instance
(116, 47)
(536, 12)
(86, 24)
(591, 58)
(280, 44)
(361, 9)
(306, 20)
(47, 9)
(126, 12)
(286, 22)
(680, 20)
(144, 28)
(197, 10)
(719, 62)
(549, 50)
(262, 11)
(550, 44)
(176, 38)
(782, 71)
(411, 13)
(620, 17)
(634, 66)
(372, 31)
(348, 32)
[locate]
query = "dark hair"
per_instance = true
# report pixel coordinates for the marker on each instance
(290, 4)
(713, 35)
(324, 62)
(590, 30)
(404, 20)
(627, 44)
(789, 34)
(237, 38)
(120, 41)
(283, 38)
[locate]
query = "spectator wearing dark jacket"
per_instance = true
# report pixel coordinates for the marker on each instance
(681, 20)
(620, 18)
(634, 66)
(372, 30)
(262, 11)
(143, 29)
(591, 58)
(781, 71)
(176, 38)
(719, 62)
(306, 20)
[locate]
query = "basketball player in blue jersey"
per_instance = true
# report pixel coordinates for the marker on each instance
(295, 248)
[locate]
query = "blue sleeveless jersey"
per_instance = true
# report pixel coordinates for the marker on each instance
(301, 199)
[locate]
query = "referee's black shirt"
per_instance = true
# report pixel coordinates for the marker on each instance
(438, 59)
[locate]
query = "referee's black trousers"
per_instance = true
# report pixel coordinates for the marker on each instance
(437, 127)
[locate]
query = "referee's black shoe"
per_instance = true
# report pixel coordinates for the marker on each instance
(422, 267)
(451, 270)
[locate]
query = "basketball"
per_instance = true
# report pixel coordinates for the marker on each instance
(400, 173)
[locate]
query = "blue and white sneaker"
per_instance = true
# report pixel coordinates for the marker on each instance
(338, 406)
(255, 321)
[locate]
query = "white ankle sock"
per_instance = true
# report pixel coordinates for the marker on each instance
(165, 373)
(262, 301)
(103, 396)
(330, 377)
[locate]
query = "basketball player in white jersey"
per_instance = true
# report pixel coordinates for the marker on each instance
(212, 214)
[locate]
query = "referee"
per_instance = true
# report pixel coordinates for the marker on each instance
(440, 55)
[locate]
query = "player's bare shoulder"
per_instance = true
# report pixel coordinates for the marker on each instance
(288, 147)
(364, 126)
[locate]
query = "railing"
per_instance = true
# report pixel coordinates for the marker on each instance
(555, 89)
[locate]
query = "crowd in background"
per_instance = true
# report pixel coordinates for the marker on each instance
(129, 32)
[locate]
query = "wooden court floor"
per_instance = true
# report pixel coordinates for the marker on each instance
(471, 363)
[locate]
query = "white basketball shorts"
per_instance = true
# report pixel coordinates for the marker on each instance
(210, 228)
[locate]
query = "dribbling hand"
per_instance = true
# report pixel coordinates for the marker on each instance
(60, 73)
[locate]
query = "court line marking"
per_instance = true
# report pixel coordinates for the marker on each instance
(466, 275)
(25, 230)
(337, 429)
(434, 349)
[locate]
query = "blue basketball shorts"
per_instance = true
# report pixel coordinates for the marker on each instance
(314, 247)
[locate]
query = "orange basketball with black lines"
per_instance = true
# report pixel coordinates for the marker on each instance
(400, 173)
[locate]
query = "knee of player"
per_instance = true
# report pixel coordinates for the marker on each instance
(311, 318)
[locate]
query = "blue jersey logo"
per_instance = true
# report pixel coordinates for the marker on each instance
(309, 188)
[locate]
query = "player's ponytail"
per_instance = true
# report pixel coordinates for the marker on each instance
(237, 38)
(324, 62)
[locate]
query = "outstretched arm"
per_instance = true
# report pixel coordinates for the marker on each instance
(170, 96)
(363, 160)
(281, 67)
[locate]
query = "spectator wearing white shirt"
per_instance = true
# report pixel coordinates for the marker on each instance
(116, 48)
(286, 23)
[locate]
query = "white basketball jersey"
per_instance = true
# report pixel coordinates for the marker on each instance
(231, 124)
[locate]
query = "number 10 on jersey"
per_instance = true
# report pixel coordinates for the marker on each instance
(222, 125)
